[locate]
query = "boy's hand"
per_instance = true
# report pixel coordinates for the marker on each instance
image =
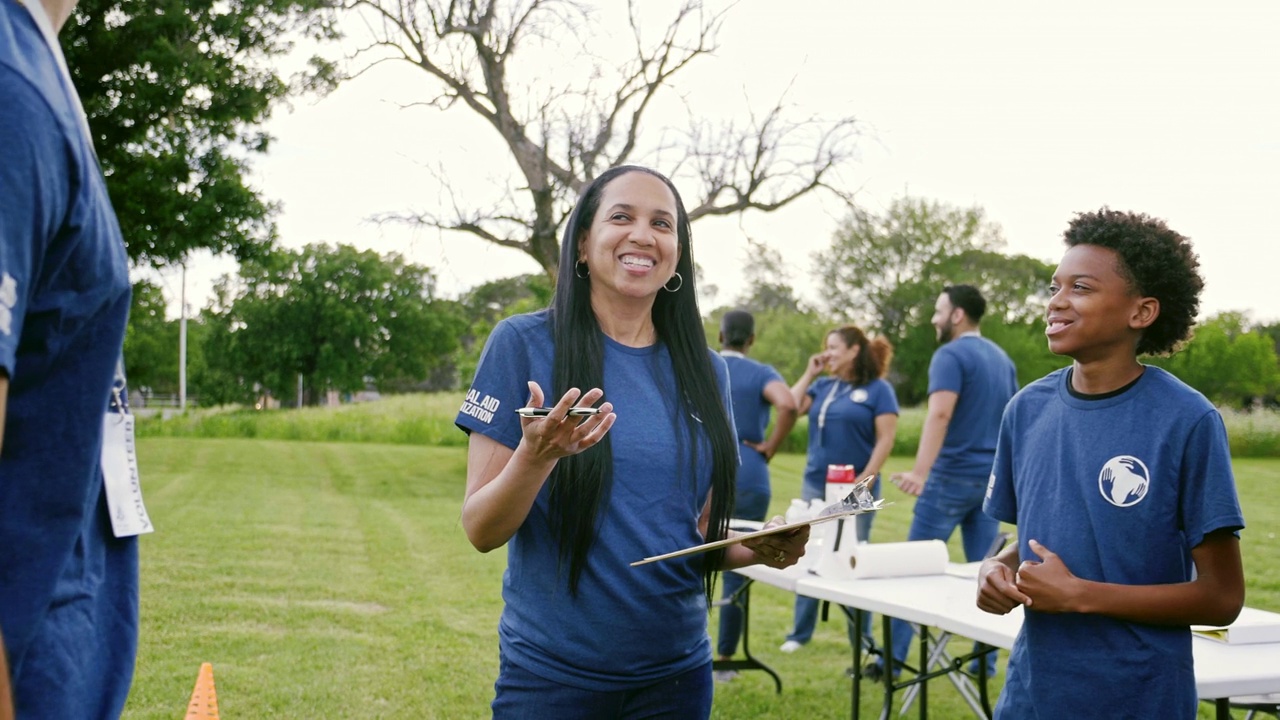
(1048, 583)
(997, 591)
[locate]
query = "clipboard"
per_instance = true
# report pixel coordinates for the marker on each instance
(787, 527)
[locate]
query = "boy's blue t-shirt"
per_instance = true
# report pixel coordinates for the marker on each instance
(1121, 488)
(68, 588)
(985, 379)
(845, 434)
(627, 626)
(747, 380)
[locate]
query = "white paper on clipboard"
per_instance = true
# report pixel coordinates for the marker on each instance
(787, 527)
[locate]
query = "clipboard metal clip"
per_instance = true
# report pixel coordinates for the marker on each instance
(860, 498)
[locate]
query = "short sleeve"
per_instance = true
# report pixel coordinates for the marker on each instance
(34, 192)
(815, 386)
(501, 385)
(945, 372)
(1001, 501)
(770, 374)
(886, 399)
(1208, 500)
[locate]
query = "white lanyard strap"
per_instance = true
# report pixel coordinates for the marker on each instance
(51, 39)
(826, 403)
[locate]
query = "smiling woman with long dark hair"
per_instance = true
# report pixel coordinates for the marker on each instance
(576, 499)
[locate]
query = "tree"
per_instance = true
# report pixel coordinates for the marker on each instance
(175, 93)
(562, 132)
(338, 316)
(885, 271)
(1227, 361)
(484, 305)
(150, 342)
(768, 285)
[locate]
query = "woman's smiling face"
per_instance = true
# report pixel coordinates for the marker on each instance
(840, 356)
(632, 246)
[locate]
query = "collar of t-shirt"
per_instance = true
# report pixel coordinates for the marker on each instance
(1100, 396)
(971, 333)
(731, 353)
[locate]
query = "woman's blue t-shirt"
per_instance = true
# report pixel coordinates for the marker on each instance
(627, 626)
(747, 379)
(845, 434)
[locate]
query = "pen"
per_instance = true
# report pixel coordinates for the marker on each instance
(543, 412)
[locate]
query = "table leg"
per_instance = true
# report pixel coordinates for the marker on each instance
(924, 663)
(889, 664)
(742, 598)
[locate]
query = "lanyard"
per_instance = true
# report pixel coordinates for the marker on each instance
(51, 39)
(826, 403)
(119, 401)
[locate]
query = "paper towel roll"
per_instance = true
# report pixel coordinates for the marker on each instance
(878, 560)
(901, 559)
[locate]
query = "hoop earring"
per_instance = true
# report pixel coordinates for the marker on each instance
(581, 276)
(679, 284)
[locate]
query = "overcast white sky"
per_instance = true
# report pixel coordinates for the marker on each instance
(1031, 111)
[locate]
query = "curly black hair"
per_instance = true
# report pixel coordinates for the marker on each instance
(1156, 261)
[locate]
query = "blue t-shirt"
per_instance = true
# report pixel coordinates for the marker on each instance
(984, 378)
(1122, 488)
(68, 588)
(627, 626)
(747, 380)
(842, 425)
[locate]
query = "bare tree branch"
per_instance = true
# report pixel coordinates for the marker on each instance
(562, 132)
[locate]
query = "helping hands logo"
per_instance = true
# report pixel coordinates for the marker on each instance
(1124, 481)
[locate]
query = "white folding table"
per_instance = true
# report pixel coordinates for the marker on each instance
(947, 603)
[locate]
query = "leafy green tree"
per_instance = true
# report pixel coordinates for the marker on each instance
(338, 316)
(176, 93)
(1229, 362)
(885, 271)
(150, 342)
(768, 285)
(484, 305)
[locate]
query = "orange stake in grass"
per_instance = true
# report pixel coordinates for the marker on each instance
(204, 699)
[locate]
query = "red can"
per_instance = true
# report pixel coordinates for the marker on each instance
(840, 473)
(839, 482)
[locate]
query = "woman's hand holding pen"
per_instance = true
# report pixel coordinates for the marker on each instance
(558, 434)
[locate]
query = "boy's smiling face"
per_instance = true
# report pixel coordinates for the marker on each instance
(1094, 313)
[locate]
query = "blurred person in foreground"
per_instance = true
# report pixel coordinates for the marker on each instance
(756, 390)
(68, 586)
(577, 499)
(853, 419)
(1118, 476)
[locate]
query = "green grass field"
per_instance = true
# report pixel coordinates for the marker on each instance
(334, 580)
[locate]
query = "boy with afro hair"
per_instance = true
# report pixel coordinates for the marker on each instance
(1119, 479)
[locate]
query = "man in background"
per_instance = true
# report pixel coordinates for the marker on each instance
(756, 389)
(970, 381)
(68, 586)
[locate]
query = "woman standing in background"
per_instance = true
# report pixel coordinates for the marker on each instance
(853, 418)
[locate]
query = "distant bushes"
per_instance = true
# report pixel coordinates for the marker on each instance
(427, 419)
(419, 419)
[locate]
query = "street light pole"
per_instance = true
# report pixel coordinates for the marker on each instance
(182, 345)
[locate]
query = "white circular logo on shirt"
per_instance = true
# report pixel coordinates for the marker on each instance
(859, 395)
(1124, 481)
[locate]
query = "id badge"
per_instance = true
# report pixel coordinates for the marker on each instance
(120, 473)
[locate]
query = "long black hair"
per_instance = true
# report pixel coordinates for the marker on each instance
(580, 484)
